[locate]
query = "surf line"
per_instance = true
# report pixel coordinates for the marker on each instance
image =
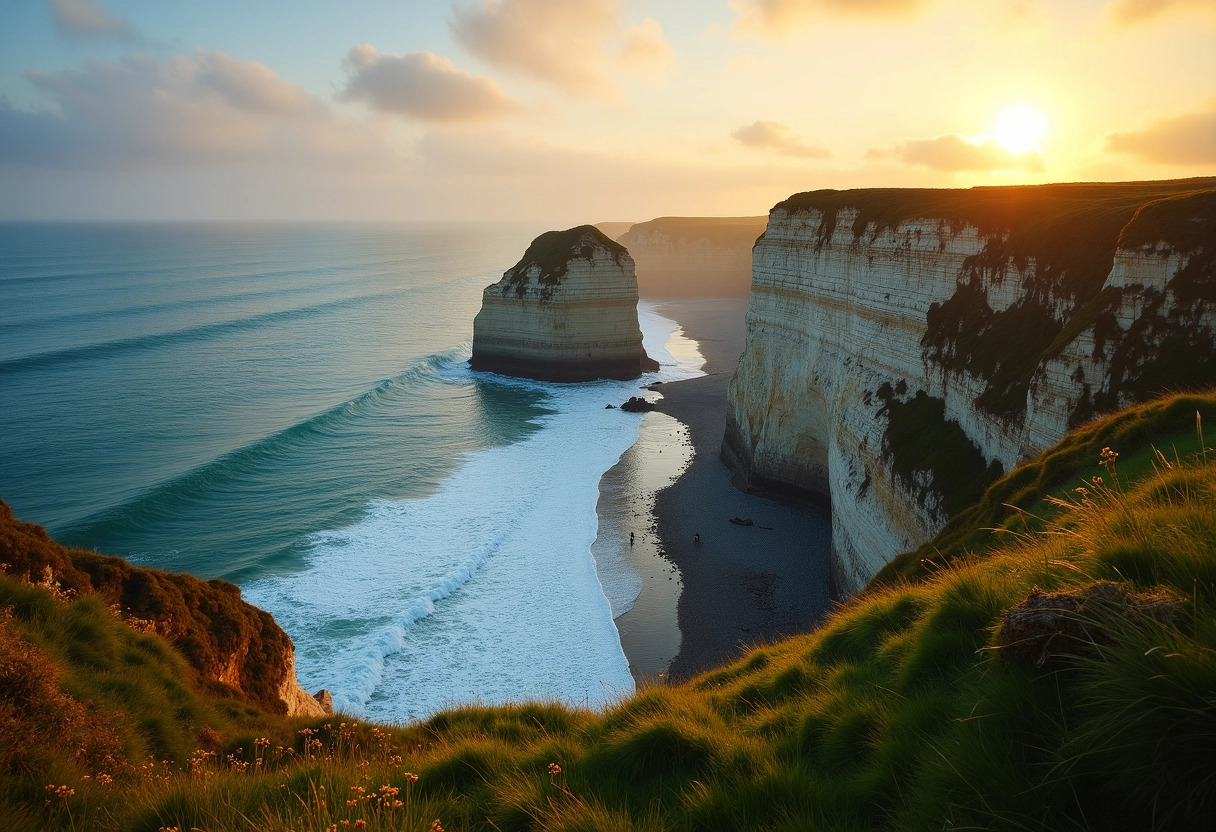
(391, 639)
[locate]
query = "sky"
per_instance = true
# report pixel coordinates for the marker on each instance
(572, 111)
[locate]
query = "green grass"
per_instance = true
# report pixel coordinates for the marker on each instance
(1018, 501)
(898, 713)
(552, 252)
(918, 437)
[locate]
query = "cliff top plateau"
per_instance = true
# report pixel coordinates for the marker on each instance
(1057, 679)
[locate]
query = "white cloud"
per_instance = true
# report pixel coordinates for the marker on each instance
(422, 85)
(559, 42)
(89, 18)
(1189, 138)
(775, 136)
(952, 153)
(203, 106)
(1136, 12)
(645, 53)
(775, 17)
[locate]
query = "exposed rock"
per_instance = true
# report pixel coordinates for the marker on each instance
(234, 648)
(906, 347)
(326, 700)
(566, 312)
(636, 404)
(694, 256)
(1051, 625)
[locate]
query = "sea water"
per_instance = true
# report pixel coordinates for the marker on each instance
(290, 408)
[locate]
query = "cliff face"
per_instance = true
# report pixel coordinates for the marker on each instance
(566, 312)
(694, 256)
(234, 648)
(906, 347)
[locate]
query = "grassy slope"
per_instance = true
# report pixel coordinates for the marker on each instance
(1015, 502)
(218, 633)
(892, 715)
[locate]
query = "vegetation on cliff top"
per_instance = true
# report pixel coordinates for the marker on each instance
(552, 252)
(900, 712)
(219, 634)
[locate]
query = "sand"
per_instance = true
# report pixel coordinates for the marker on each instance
(736, 587)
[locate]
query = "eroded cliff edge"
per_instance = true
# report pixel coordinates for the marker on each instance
(233, 648)
(905, 347)
(567, 311)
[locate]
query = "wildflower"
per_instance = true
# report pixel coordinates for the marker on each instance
(436, 826)
(410, 777)
(357, 789)
(350, 804)
(105, 779)
(389, 791)
(554, 769)
(65, 792)
(1084, 492)
(360, 824)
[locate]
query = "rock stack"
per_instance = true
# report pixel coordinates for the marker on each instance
(565, 312)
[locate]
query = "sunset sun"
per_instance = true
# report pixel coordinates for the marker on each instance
(1020, 129)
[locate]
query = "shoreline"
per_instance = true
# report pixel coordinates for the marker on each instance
(738, 585)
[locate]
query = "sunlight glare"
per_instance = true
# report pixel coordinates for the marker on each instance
(1019, 129)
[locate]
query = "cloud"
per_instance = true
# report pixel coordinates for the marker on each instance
(772, 135)
(198, 107)
(559, 42)
(772, 17)
(645, 53)
(89, 18)
(1189, 138)
(422, 85)
(1135, 12)
(952, 153)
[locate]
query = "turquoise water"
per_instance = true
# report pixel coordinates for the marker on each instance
(202, 397)
(289, 407)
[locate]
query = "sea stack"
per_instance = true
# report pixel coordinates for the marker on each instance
(567, 311)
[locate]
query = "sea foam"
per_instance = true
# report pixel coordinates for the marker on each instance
(484, 591)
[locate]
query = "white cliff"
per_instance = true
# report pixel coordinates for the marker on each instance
(566, 312)
(906, 347)
(693, 256)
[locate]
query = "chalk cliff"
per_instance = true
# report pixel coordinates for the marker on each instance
(906, 347)
(694, 256)
(567, 311)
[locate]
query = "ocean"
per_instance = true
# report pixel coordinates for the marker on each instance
(288, 407)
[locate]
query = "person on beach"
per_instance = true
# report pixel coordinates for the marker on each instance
(631, 538)
(696, 538)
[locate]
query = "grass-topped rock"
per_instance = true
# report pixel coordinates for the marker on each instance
(567, 311)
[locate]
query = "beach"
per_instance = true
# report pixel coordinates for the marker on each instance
(737, 585)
